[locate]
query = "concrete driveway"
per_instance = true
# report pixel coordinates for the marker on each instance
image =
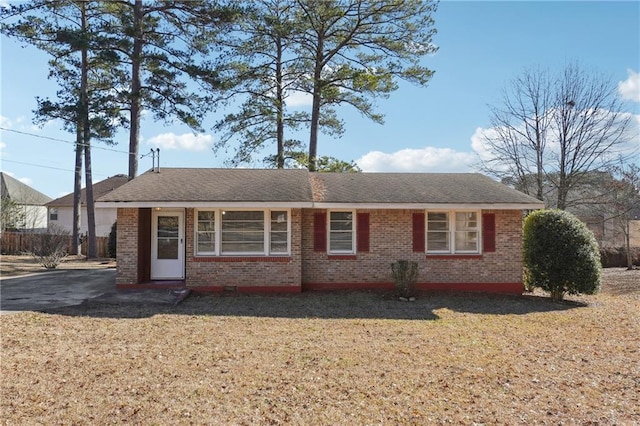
(55, 289)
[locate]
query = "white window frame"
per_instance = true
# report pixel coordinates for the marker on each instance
(53, 211)
(219, 217)
(353, 232)
(216, 221)
(451, 217)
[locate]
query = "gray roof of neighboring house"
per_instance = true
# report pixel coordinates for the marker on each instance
(294, 185)
(233, 185)
(99, 189)
(20, 193)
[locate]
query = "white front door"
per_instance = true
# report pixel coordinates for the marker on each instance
(167, 245)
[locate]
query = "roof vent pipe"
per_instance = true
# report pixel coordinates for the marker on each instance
(153, 154)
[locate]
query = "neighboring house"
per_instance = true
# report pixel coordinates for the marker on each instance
(292, 230)
(60, 210)
(634, 227)
(23, 208)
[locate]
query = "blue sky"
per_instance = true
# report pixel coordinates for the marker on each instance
(482, 45)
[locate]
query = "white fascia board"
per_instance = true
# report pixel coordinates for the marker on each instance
(431, 206)
(205, 204)
(310, 205)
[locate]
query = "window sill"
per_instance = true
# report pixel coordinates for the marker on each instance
(454, 256)
(342, 257)
(285, 258)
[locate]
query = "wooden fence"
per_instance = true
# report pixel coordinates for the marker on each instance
(16, 243)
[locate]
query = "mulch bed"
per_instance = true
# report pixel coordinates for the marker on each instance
(330, 358)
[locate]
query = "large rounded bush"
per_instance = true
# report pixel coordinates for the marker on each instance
(561, 255)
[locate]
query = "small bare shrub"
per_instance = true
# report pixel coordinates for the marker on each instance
(405, 276)
(50, 248)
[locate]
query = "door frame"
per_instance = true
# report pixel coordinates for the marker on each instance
(155, 263)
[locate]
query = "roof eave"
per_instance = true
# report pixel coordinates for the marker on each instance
(319, 205)
(205, 204)
(431, 206)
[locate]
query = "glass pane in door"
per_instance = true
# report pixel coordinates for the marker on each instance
(168, 237)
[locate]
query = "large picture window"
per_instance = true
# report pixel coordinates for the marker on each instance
(453, 232)
(341, 232)
(242, 232)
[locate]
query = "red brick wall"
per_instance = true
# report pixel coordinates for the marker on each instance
(274, 272)
(127, 247)
(391, 239)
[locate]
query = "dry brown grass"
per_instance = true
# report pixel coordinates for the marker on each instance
(11, 266)
(337, 358)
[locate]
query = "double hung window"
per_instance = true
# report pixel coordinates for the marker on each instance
(453, 232)
(341, 232)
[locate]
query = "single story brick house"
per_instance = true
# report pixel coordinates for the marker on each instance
(292, 230)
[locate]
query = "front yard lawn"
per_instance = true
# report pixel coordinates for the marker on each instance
(334, 358)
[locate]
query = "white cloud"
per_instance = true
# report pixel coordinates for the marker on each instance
(5, 122)
(427, 159)
(630, 88)
(2, 145)
(185, 141)
(298, 99)
(478, 142)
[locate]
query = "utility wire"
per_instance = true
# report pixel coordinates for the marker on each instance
(45, 167)
(63, 141)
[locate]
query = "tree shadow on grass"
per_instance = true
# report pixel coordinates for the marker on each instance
(321, 305)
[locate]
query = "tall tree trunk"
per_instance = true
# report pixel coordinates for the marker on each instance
(313, 135)
(539, 161)
(315, 107)
(136, 84)
(563, 191)
(92, 251)
(279, 106)
(92, 246)
(77, 191)
(627, 239)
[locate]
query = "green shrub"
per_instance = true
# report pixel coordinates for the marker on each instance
(560, 254)
(113, 237)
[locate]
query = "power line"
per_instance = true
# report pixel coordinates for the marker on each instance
(43, 166)
(63, 141)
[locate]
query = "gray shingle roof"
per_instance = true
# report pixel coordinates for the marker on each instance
(99, 189)
(20, 193)
(233, 185)
(259, 185)
(401, 188)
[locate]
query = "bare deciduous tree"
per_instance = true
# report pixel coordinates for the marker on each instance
(551, 131)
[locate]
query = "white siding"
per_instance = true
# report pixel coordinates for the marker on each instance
(104, 219)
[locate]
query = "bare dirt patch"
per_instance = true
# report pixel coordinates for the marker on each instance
(333, 358)
(11, 266)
